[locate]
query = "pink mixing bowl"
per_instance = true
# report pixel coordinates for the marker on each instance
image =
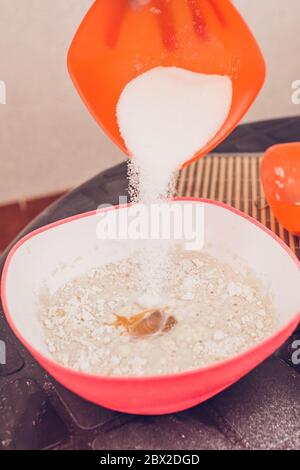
(60, 251)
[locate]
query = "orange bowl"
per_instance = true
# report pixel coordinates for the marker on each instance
(280, 175)
(114, 44)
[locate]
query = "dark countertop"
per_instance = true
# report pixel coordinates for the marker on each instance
(261, 411)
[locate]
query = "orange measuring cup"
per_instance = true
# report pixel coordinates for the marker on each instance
(280, 175)
(116, 42)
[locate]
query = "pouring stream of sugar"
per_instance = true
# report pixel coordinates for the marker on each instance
(165, 116)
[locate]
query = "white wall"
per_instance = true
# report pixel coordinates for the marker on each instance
(48, 141)
(276, 26)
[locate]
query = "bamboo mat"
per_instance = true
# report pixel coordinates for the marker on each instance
(233, 179)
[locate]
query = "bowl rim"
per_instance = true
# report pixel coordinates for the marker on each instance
(215, 366)
(285, 145)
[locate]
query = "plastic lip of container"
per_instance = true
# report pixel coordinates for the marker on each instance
(280, 175)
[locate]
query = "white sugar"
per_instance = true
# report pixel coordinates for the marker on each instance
(165, 116)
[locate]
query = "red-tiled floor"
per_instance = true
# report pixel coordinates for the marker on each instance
(14, 217)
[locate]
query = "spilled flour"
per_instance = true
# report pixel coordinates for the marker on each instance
(219, 314)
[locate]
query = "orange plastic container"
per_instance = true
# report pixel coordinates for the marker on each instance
(115, 43)
(280, 174)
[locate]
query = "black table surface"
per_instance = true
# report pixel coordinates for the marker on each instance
(261, 411)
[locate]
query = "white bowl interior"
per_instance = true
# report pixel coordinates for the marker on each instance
(58, 254)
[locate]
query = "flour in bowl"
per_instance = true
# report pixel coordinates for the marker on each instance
(214, 313)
